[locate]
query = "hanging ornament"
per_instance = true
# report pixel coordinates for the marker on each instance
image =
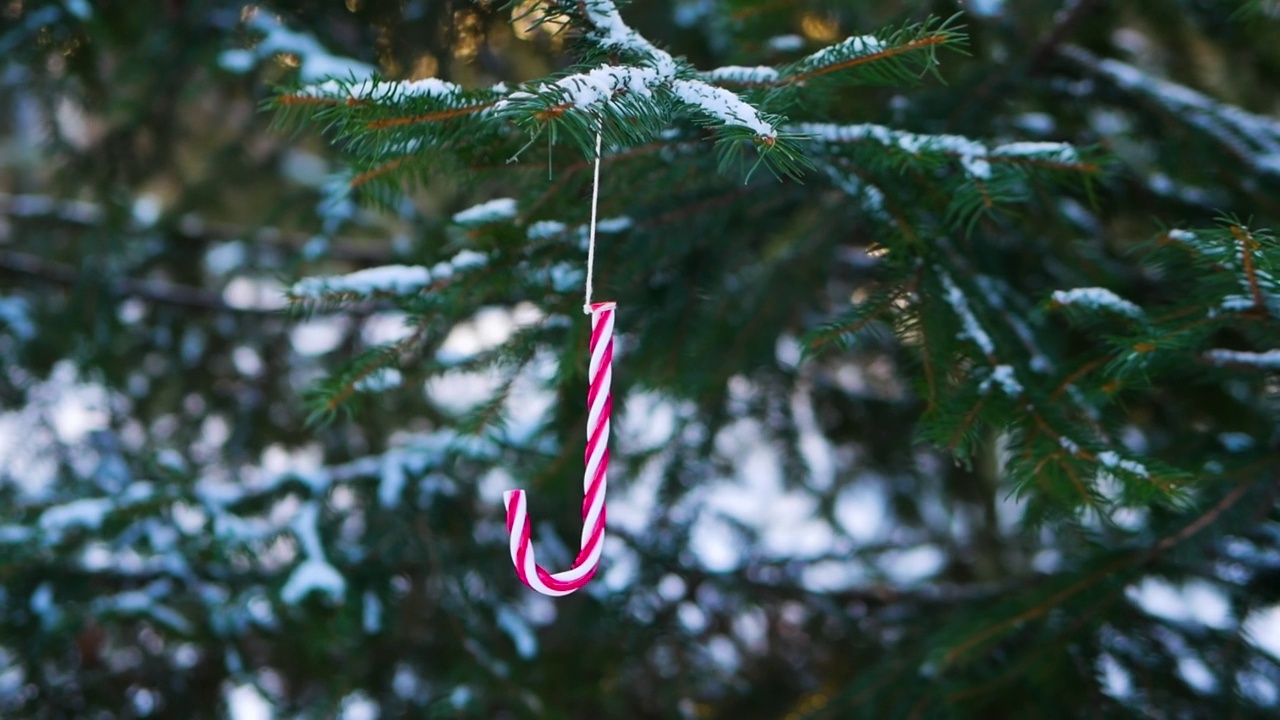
(594, 482)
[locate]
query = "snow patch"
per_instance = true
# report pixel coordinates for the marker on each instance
(1269, 360)
(315, 62)
(381, 91)
(1097, 298)
(492, 211)
(1113, 460)
(759, 75)
(314, 574)
(1059, 152)
(1006, 378)
(785, 43)
(973, 155)
(15, 314)
(723, 106)
(971, 328)
(394, 279)
(852, 47)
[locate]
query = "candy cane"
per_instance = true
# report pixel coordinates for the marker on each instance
(599, 404)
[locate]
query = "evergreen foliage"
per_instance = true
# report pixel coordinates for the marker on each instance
(946, 386)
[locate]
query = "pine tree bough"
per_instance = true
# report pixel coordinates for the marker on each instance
(1253, 139)
(628, 102)
(946, 401)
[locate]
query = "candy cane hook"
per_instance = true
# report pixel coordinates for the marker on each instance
(594, 483)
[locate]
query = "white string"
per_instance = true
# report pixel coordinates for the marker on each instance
(591, 232)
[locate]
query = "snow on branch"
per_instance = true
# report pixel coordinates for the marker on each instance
(854, 48)
(894, 57)
(632, 89)
(496, 210)
(1096, 298)
(88, 514)
(739, 75)
(722, 105)
(1253, 139)
(385, 279)
(145, 603)
(871, 197)
(1112, 461)
(315, 63)
(1268, 360)
(1059, 152)
(970, 327)
(971, 153)
(785, 43)
(1244, 253)
(380, 90)
(975, 157)
(1006, 378)
(1002, 375)
(546, 229)
(611, 33)
(314, 574)
(591, 89)
(898, 56)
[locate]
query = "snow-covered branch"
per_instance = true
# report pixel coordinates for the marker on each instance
(1253, 139)
(975, 157)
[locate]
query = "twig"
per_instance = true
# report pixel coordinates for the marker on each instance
(17, 263)
(1043, 607)
(88, 214)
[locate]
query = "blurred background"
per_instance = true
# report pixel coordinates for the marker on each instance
(783, 546)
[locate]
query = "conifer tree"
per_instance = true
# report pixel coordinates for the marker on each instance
(945, 385)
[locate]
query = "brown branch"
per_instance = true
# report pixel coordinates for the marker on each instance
(1084, 167)
(852, 62)
(1201, 522)
(930, 380)
(314, 100)
(374, 364)
(27, 265)
(1043, 607)
(427, 117)
(912, 46)
(1247, 244)
(556, 111)
(379, 170)
(969, 418)
(986, 195)
(1066, 633)
(81, 213)
(693, 209)
(857, 326)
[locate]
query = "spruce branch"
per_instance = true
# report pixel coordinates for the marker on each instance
(899, 56)
(842, 331)
(331, 395)
(893, 57)
(1254, 140)
(958, 651)
(1248, 246)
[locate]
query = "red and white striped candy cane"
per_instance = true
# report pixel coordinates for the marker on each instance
(599, 404)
